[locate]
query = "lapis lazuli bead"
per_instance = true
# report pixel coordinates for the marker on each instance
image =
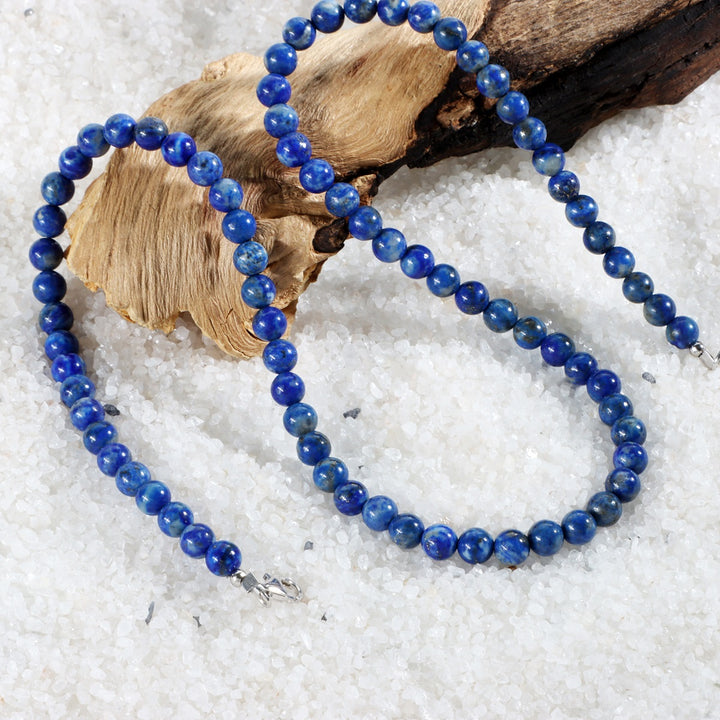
(449, 33)
(55, 316)
(130, 477)
(423, 16)
(579, 527)
(582, 211)
(150, 133)
(529, 134)
(417, 262)
(365, 223)
(472, 297)
(500, 315)
(64, 366)
(280, 356)
(511, 547)
(273, 89)
(223, 558)
(443, 281)
(605, 508)
(564, 186)
(112, 457)
(360, 11)
(119, 130)
(545, 538)
(613, 407)
(177, 148)
(659, 309)
(196, 539)
(45, 254)
(238, 226)
(281, 59)
(300, 419)
(91, 140)
(293, 150)
(637, 287)
(49, 220)
(389, 246)
(56, 189)
(75, 388)
(317, 176)
(393, 12)
(472, 56)
(85, 412)
(98, 435)
(618, 262)
(152, 497)
(258, 291)
(512, 108)
(61, 342)
(287, 389)
(204, 168)
(225, 195)
(632, 456)
(342, 200)
(603, 383)
(475, 546)
(439, 542)
(628, 429)
(350, 498)
(598, 237)
(174, 518)
(327, 16)
(624, 484)
(549, 159)
(493, 81)
(49, 286)
(299, 32)
(73, 164)
(280, 120)
(250, 257)
(406, 530)
(313, 447)
(330, 473)
(529, 332)
(580, 367)
(378, 512)
(682, 332)
(556, 349)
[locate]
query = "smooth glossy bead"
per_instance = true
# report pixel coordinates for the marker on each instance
(389, 246)
(223, 558)
(365, 223)
(327, 16)
(417, 262)
(582, 211)
(300, 419)
(659, 310)
(406, 530)
(512, 108)
(605, 508)
(130, 477)
(293, 150)
(472, 56)
(628, 429)
(443, 281)
(204, 168)
(423, 16)
(273, 89)
(439, 542)
(682, 332)
(603, 383)
(598, 237)
(196, 539)
(75, 388)
(549, 159)
(493, 81)
(49, 220)
(579, 527)
(350, 498)
(61, 342)
(152, 497)
(624, 484)
(119, 130)
(91, 140)
(225, 195)
(449, 33)
(85, 412)
(529, 332)
(73, 164)
(250, 257)
(299, 32)
(55, 316)
(637, 287)
(564, 186)
(529, 134)
(360, 11)
(64, 366)
(545, 538)
(329, 474)
(177, 148)
(472, 297)
(45, 254)
(378, 512)
(280, 120)
(258, 291)
(317, 176)
(98, 435)
(500, 315)
(312, 448)
(475, 546)
(150, 133)
(280, 356)
(511, 547)
(56, 189)
(632, 456)
(342, 200)
(112, 457)
(393, 12)
(287, 389)
(580, 367)
(49, 286)
(613, 407)
(238, 226)
(618, 262)
(281, 59)
(174, 518)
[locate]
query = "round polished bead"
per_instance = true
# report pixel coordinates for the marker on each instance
(313, 447)
(511, 547)
(549, 159)
(327, 16)
(330, 473)
(493, 81)
(112, 457)
(475, 546)
(177, 148)
(360, 11)
(49, 286)
(632, 456)
(605, 508)
(342, 200)
(75, 388)
(472, 56)
(417, 262)
(624, 484)
(637, 287)
(500, 315)
(300, 419)
(545, 538)
(130, 477)
(49, 221)
(64, 366)
(119, 130)
(582, 211)
(56, 189)
(439, 542)
(55, 316)
(580, 367)
(152, 497)
(98, 435)
(45, 254)
(258, 291)
(350, 498)
(225, 195)
(389, 246)
(613, 407)
(378, 512)
(512, 108)
(579, 527)
(174, 518)
(299, 32)
(287, 389)
(659, 309)
(280, 356)
(529, 134)
(273, 89)
(317, 176)
(564, 186)
(618, 262)
(423, 16)
(73, 164)
(150, 133)
(365, 223)
(406, 530)
(250, 257)
(598, 237)
(204, 168)
(85, 412)
(472, 297)
(682, 332)
(223, 558)
(61, 342)
(529, 332)
(238, 226)
(280, 59)
(293, 150)
(443, 281)
(628, 429)
(91, 140)
(280, 120)
(393, 12)
(449, 33)
(196, 539)
(603, 383)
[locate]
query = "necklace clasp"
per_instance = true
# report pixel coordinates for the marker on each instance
(283, 589)
(698, 350)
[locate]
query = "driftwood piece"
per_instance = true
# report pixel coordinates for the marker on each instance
(371, 99)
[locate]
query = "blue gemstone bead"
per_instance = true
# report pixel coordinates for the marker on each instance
(280, 119)
(500, 315)
(443, 281)
(152, 497)
(56, 189)
(85, 412)
(112, 457)
(406, 530)
(150, 133)
(598, 237)
(423, 16)
(130, 477)
(378, 512)
(350, 498)
(582, 211)
(327, 16)
(196, 539)
(223, 558)
(258, 291)
(45, 254)
(55, 316)
(393, 12)
(389, 246)
(682, 332)
(119, 130)
(312, 448)
(564, 186)
(417, 262)
(273, 89)
(225, 195)
(360, 11)
(628, 429)
(365, 223)
(239, 226)
(299, 32)
(342, 200)
(174, 518)
(73, 164)
(280, 356)
(475, 546)
(250, 257)
(177, 148)
(49, 220)
(512, 108)
(624, 484)
(75, 388)
(613, 407)
(632, 456)
(493, 81)
(61, 342)
(511, 547)
(618, 262)
(580, 367)
(603, 383)
(605, 508)
(472, 297)
(449, 33)
(472, 56)
(529, 134)
(545, 538)
(300, 419)
(64, 366)
(329, 474)
(293, 150)
(91, 140)
(529, 332)
(549, 159)
(317, 176)
(287, 389)
(204, 168)
(281, 59)
(579, 527)
(439, 542)
(637, 287)
(659, 310)
(49, 286)
(98, 435)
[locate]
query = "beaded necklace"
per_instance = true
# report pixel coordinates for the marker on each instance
(330, 474)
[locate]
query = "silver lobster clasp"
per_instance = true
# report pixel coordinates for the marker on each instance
(698, 350)
(282, 589)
